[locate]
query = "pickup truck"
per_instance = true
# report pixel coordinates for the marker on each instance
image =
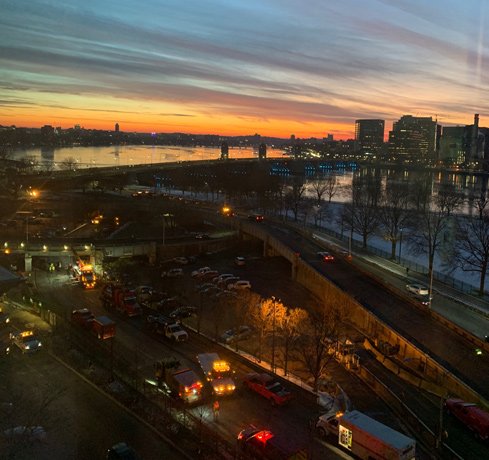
(472, 416)
(169, 327)
(268, 387)
(82, 317)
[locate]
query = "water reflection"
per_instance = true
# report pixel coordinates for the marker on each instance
(125, 155)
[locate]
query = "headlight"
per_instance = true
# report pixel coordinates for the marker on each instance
(40, 344)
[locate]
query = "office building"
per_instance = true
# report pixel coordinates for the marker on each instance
(413, 138)
(452, 145)
(369, 136)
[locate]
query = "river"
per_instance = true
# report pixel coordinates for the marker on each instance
(125, 155)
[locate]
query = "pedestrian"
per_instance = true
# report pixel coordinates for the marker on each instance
(215, 409)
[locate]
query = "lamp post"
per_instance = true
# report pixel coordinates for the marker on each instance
(164, 227)
(431, 285)
(26, 214)
(272, 364)
(400, 246)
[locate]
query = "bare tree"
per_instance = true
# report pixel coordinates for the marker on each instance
(313, 346)
(331, 186)
(264, 316)
(361, 213)
(472, 243)
(394, 212)
(69, 164)
(319, 187)
(291, 324)
(294, 197)
(434, 218)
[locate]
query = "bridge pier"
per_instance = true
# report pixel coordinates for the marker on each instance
(27, 263)
(294, 267)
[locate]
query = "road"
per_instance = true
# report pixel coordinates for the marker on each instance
(238, 411)
(81, 422)
(450, 349)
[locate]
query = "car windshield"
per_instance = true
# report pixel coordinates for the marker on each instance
(275, 387)
(28, 339)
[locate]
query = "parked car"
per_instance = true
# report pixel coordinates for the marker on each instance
(472, 416)
(418, 289)
(209, 275)
(223, 293)
(226, 281)
(211, 290)
(236, 334)
(240, 284)
(256, 217)
(172, 273)
(25, 433)
(269, 387)
(121, 451)
(200, 271)
(202, 236)
(325, 256)
(181, 260)
(222, 277)
(204, 286)
(239, 261)
(183, 312)
(83, 317)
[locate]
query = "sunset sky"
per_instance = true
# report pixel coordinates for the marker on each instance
(234, 67)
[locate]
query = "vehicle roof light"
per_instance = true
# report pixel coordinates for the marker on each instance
(26, 333)
(221, 366)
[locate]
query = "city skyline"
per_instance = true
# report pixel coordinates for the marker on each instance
(235, 68)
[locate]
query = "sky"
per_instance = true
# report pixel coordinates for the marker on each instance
(239, 67)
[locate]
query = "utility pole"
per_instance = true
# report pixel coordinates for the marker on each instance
(439, 439)
(272, 364)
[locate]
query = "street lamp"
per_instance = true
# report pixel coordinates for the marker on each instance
(164, 226)
(400, 246)
(431, 286)
(272, 364)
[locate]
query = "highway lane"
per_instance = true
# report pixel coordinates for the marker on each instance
(80, 422)
(447, 347)
(290, 422)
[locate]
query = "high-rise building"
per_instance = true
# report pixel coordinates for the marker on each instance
(413, 137)
(452, 145)
(369, 136)
(116, 128)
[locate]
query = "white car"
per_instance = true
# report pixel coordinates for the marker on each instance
(237, 334)
(181, 260)
(201, 271)
(240, 284)
(418, 289)
(222, 278)
(240, 261)
(172, 273)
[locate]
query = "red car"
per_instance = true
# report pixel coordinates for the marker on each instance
(269, 387)
(473, 417)
(326, 256)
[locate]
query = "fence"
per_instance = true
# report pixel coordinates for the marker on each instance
(408, 264)
(113, 368)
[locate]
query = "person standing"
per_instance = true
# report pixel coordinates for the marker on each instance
(215, 410)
